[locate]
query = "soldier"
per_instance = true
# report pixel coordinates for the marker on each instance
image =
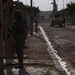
(64, 21)
(36, 26)
(19, 33)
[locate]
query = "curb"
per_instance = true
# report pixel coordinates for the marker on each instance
(58, 63)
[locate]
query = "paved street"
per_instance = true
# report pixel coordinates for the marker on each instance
(37, 59)
(63, 41)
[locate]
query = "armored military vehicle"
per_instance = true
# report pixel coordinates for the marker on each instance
(56, 21)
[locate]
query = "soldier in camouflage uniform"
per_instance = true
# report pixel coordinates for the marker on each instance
(19, 33)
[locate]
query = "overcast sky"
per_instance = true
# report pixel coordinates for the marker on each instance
(45, 5)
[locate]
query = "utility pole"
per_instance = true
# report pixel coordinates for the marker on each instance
(57, 4)
(54, 7)
(63, 4)
(31, 18)
(1, 38)
(17, 0)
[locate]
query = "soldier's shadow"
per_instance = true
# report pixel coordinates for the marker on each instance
(20, 72)
(8, 67)
(10, 70)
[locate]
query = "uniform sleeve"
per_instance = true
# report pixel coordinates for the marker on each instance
(14, 30)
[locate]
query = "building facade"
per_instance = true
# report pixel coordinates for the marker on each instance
(7, 17)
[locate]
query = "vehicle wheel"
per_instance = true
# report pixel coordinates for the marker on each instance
(51, 25)
(60, 25)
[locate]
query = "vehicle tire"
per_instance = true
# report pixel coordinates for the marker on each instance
(51, 25)
(60, 25)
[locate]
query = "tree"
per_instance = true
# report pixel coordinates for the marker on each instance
(71, 8)
(21, 6)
